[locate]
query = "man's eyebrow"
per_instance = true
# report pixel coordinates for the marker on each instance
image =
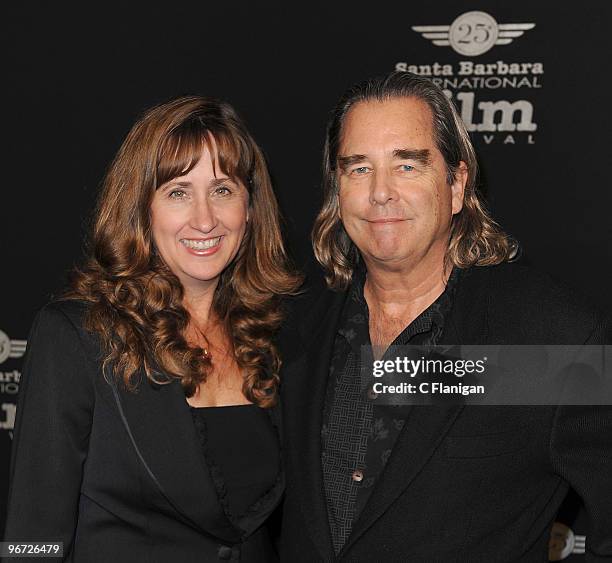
(420, 155)
(345, 161)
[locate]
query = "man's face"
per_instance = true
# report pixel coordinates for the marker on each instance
(395, 202)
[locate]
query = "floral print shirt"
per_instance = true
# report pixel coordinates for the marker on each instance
(357, 435)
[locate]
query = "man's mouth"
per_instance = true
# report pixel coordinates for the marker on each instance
(196, 244)
(386, 220)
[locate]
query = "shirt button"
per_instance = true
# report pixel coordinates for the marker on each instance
(372, 394)
(357, 475)
(225, 552)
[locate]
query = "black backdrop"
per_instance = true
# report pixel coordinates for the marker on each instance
(78, 76)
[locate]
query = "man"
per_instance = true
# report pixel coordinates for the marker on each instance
(410, 256)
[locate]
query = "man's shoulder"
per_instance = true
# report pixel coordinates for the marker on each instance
(307, 313)
(526, 286)
(518, 294)
(314, 296)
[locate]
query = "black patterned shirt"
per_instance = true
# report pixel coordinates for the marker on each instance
(357, 435)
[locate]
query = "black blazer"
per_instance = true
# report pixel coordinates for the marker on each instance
(116, 476)
(463, 483)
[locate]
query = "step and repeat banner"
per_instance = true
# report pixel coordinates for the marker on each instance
(531, 83)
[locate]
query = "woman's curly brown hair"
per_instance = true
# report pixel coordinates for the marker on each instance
(136, 302)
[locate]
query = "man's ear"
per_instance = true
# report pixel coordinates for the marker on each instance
(458, 187)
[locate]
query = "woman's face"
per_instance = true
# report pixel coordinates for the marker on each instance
(198, 221)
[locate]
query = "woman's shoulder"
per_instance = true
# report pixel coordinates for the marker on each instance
(62, 311)
(60, 351)
(61, 324)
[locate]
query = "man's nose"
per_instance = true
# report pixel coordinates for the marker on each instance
(203, 216)
(382, 190)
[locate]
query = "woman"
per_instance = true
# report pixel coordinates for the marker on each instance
(146, 427)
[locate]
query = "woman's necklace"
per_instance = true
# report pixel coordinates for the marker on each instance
(208, 348)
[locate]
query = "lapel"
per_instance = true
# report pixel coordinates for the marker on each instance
(423, 432)
(468, 321)
(161, 429)
(259, 513)
(305, 383)
(426, 426)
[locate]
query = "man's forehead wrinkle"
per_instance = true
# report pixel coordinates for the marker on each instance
(380, 130)
(392, 115)
(360, 140)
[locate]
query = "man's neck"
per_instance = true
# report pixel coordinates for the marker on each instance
(405, 291)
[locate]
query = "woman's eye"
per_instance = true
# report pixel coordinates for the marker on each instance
(223, 190)
(360, 170)
(177, 194)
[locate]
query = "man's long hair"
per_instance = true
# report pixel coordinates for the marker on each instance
(136, 302)
(475, 238)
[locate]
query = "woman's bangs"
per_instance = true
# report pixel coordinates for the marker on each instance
(179, 153)
(182, 150)
(233, 155)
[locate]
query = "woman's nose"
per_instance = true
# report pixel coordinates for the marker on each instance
(203, 216)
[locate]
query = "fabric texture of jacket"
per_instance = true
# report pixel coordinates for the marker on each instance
(477, 484)
(115, 475)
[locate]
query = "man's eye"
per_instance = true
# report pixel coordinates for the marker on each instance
(406, 168)
(360, 170)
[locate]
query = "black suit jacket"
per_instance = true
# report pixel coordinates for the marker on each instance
(471, 484)
(116, 476)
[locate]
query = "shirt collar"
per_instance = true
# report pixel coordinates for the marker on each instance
(354, 325)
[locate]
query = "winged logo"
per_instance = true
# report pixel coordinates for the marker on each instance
(11, 348)
(563, 542)
(473, 33)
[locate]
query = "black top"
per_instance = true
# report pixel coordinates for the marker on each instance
(242, 452)
(358, 434)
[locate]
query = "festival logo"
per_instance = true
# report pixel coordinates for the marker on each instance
(7, 417)
(10, 348)
(473, 33)
(563, 542)
(9, 380)
(496, 98)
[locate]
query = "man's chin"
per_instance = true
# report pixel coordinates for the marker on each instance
(388, 258)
